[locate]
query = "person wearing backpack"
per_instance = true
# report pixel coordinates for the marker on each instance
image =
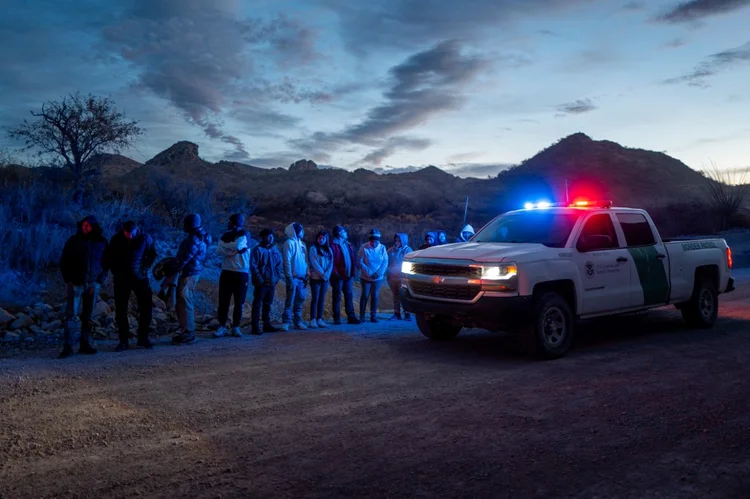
(190, 261)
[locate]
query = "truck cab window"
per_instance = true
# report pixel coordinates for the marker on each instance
(598, 234)
(637, 230)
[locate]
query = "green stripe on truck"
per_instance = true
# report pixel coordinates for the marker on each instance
(651, 274)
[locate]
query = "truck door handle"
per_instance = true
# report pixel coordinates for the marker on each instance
(622, 259)
(660, 256)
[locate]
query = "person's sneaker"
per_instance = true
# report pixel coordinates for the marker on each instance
(256, 331)
(270, 328)
(222, 331)
(122, 346)
(145, 343)
(407, 318)
(321, 324)
(361, 319)
(354, 321)
(374, 319)
(284, 327)
(312, 324)
(237, 333)
(300, 325)
(186, 338)
(87, 349)
(67, 352)
(395, 318)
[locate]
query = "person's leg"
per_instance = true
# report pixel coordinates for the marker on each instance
(240, 295)
(393, 284)
(180, 303)
(88, 300)
(349, 299)
(122, 305)
(321, 301)
(336, 288)
(72, 307)
(143, 294)
(374, 299)
(300, 294)
(189, 298)
(364, 297)
(258, 295)
(314, 291)
(225, 295)
(269, 293)
(291, 289)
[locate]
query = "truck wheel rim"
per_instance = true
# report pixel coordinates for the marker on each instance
(706, 304)
(553, 327)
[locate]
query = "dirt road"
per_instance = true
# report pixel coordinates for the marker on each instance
(641, 408)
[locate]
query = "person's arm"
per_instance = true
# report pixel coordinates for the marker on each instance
(383, 263)
(105, 264)
(150, 255)
(254, 262)
(328, 268)
(66, 261)
(315, 261)
(279, 262)
(187, 252)
(286, 255)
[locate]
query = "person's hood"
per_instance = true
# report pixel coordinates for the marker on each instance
(434, 236)
(290, 232)
(443, 233)
(468, 228)
(233, 235)
(96, 229)
(404, 239)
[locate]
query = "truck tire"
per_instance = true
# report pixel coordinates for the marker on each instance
(703, 308)
(550, 333)
(436, 328)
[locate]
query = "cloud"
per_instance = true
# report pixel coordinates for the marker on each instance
(579, 106)
(425, 84)
(713, 65)
(198, 55)
(394, 144)
(695, 10)
(676, 43)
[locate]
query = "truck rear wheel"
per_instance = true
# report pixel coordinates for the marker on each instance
(550, 333)
(437, 328)
(703, 308)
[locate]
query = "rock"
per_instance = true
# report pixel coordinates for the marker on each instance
(101, 308)
(12, 337)
(158, 303)
(51, 326)
(303, 165)
(29, 339)
(23, 320)
(316, 197)
(5, 317)
(159, 315)
(36, 330)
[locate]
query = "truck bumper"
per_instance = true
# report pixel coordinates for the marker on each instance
(494, 313)
(730, 285)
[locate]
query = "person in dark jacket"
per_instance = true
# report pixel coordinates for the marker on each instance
(430, 240)
(396, 254)
(235, 268)
(442, 238)
(466, 233)
(190, 259)
(342, 276)
(266, 270)
(131, 254)
(84, 270)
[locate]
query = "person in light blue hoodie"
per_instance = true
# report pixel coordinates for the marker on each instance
(321, 266)
(296, 274)
(373, 262)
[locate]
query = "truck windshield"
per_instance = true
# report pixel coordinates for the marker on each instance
(532, 226)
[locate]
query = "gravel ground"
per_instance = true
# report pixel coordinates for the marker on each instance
(641, 408)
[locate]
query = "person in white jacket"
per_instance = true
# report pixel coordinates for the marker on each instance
(373, 262)
(321, 266)
(235, 268)
(296, 274)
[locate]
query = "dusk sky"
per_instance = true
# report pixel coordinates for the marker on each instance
(467, 85)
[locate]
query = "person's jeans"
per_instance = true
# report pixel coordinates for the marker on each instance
(262, 297)
(395, 284)
(232, 284)
(80, 299)
(186, 303)
(318, 290)
(370, 291)
(296, 292)
(338, 287)
(124, 285)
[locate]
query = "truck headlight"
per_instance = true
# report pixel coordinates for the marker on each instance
(499, 272)
(407, 268)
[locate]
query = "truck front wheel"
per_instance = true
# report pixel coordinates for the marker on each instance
(703, 308)
(550, 333)
(437, 328)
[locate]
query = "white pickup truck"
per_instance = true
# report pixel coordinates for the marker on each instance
(537, 271)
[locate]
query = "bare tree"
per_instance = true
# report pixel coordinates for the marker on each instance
(76, 128)
(727, 191)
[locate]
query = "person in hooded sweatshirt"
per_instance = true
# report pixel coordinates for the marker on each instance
(430, 239)
(373, 263)
(131, 254)
(466, 233)
(296, 274)
(342, 276)
(266, 269)
(396, 255)
(234, 278)
(321, 266)
(84, 270)
(442, 238)
(191, 257)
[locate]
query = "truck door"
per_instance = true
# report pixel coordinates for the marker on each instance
(651, 276)
(604, 266)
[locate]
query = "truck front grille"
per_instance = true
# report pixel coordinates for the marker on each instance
(447, 270)
(445, 291)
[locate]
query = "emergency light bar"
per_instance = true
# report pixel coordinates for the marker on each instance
(581, 203)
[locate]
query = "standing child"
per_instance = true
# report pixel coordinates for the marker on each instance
(266, 268)
(233, 280)
(396, 255)
(373, 262)
(321, 266)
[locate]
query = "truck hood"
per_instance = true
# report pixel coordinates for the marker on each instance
(481, 252)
